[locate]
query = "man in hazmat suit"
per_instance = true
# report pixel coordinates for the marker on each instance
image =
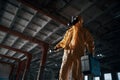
(75, 42)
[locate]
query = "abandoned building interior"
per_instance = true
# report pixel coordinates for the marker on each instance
(29, 30)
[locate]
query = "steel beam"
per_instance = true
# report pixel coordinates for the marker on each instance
(21, 66)
(15, 49)
(9, 57)
(29, 57)
(28, 61)
(31, 39)
(11, 72)
(6, 63)
(21, 35)
(42, 62)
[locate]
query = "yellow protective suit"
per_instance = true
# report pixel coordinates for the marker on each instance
(75, 41)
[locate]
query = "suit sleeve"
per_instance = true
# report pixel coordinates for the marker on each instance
(62, 43)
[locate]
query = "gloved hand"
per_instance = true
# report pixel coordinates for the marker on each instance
(57, 48)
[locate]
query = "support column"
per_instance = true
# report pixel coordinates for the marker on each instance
(28, 61)
(42, 62)
(11, 73)
(20, 70)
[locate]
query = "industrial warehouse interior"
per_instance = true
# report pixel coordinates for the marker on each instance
(29, 30)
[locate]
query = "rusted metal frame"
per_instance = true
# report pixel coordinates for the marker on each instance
(18, 71)
(44, 12)
(6, 63)
(28, 61)
(15, 49)
(42, 63)
(9, 57)
(21, 71)
(29, 56)
(31, 39)
(45, 47)
(11, 73)
(20, 35)
(20, 67)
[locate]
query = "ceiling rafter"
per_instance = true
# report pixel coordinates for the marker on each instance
(7, 63)
(25, 26)
(14, 49)
(9, 57)
(33, 16)
(18, 34)
(11, 26)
